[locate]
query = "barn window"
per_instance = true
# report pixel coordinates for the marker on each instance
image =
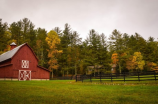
(25, 64)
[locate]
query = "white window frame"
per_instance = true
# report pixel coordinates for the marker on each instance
(24, 64)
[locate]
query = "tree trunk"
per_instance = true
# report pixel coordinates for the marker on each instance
(63, 73)
(94, 70)
(120, 67)
(52, 73)
(42, 55)
(75, 70)
(67, 73)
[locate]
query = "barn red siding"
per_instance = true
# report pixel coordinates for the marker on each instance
(6, 72)
(43, 73)
(40, 74)
(15, 73)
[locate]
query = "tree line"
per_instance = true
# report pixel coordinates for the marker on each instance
(70, 55)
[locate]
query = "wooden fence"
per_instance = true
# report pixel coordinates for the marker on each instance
(130, 76)
(64, 78)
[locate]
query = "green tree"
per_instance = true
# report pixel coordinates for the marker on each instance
(97, 51)
(16, 31)
(75, 41)
(41, 46)
(4, 36)
(103, 54)
(23, 31)
(65, 43)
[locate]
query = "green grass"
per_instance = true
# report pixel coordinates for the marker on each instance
(71, 92)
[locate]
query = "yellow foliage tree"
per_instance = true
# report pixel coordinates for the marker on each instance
(138, 61)
(53, 40)
(152, 65)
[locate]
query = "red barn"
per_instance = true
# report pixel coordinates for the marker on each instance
(21, 63)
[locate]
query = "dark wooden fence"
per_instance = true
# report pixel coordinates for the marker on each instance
(64, 78)
(128, 76)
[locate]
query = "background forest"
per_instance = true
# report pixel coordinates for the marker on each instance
(126, 52)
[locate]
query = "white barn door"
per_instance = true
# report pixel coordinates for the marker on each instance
(24, 75)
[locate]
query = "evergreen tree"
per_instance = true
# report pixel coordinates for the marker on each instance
(4, 37)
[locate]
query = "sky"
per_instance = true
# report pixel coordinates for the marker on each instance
(127, 16)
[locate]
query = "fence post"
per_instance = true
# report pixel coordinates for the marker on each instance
(82, 78)
(155, 75)
(138, 77)
(100, 76)
(111, 77)
(90, 78)
(76, 78)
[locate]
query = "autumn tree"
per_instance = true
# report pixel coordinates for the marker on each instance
(130, 64)
(114, 58)
(53, 40)
(138, 61)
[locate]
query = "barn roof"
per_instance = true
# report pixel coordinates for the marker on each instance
(9, 54)
(13, 43)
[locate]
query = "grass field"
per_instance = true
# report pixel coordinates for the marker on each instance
(71, 92)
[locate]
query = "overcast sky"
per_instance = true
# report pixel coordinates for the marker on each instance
(128, 16)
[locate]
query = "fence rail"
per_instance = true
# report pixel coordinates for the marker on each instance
(64, 78)
(130, 76)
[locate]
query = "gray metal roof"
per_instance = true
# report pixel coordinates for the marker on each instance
(9, 54)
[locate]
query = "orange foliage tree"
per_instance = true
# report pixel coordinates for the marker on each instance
(114, 58)
(118, 59)
(130, 64)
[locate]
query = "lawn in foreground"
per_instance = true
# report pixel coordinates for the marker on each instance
(68, 92)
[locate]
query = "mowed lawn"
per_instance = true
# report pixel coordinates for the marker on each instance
(71, 92)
